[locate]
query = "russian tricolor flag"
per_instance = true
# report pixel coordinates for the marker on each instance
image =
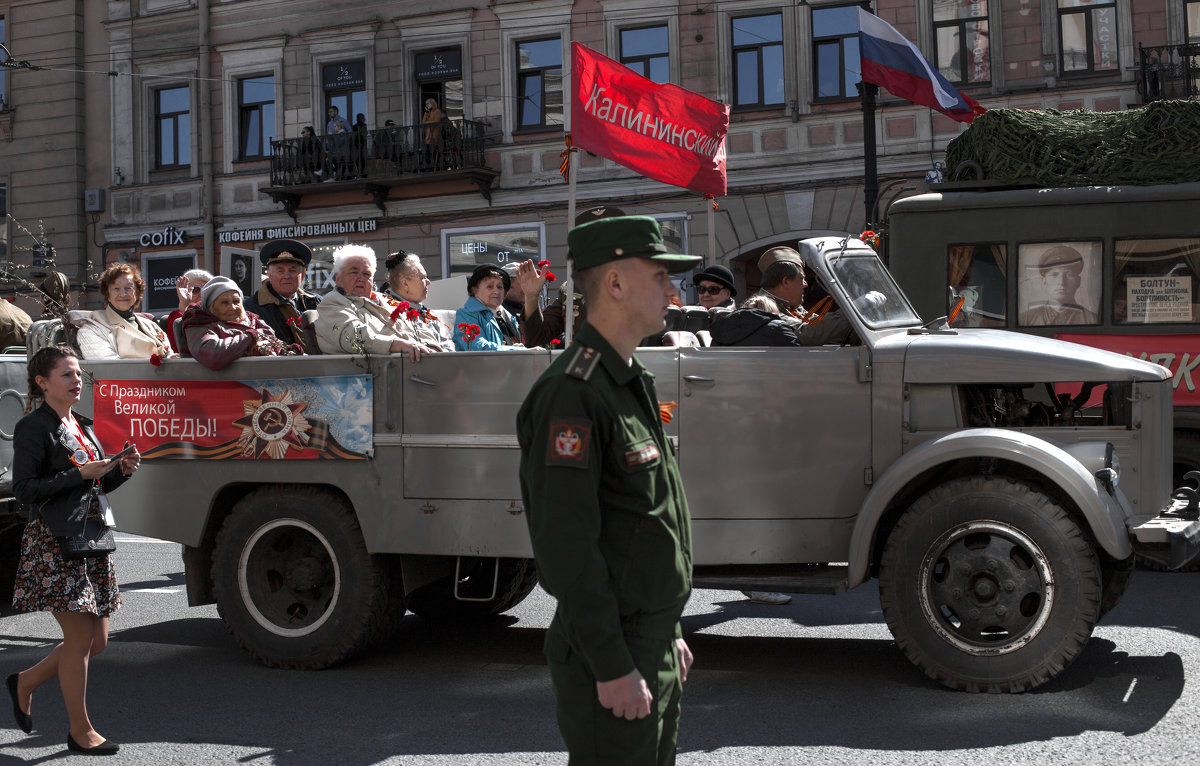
(890, 60)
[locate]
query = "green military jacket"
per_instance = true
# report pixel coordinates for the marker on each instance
(604, 501)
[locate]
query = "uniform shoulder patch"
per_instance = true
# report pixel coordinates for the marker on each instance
(583, 362)
(570, 442)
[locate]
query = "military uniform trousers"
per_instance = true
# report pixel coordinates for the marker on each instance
(594, 736)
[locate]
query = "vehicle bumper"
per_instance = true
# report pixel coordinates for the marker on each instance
(1171, 538)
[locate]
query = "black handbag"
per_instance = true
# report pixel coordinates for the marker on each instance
(94, 539)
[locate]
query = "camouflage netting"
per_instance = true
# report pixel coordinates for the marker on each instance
(1155, 144)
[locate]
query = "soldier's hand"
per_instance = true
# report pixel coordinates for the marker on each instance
(627, 697)
(685, 658)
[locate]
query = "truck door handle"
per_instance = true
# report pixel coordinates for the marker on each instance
(699, 379)
(422, 381)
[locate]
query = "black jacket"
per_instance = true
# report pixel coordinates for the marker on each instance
(752, 327)
(45, 479)
(276, 312)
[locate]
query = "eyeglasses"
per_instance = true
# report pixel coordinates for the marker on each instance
(197, 289)
(709, 289)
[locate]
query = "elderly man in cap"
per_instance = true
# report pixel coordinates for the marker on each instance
(714, 287)
(783, 282)
(603, 497)
(280, 300)
(1061, 271)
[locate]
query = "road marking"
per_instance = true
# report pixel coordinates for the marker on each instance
(149, 540)
(152, 590)
(1129, 691)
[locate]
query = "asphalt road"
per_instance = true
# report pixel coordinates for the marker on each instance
(818, 681)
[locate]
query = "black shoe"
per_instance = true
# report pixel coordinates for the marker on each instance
(107, 747)
(24, 720)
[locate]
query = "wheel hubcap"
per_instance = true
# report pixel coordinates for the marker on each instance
(986, 587)
(288, 577)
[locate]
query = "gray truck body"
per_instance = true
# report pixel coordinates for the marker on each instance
(799, 463)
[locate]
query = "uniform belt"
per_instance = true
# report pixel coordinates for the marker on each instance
(660, 625)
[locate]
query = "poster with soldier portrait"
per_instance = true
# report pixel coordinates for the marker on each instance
(1060, 283)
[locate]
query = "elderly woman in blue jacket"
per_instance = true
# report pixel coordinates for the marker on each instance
(498, 330)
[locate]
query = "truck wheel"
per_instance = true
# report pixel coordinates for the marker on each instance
(436, 601)
(988, 585)
(293, 579)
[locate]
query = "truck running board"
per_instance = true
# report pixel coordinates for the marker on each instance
(820, 579)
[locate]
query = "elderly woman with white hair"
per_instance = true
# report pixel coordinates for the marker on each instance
(219, 330)
(353, 320)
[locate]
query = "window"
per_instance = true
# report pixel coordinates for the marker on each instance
(173, 130)
(1087, 36)
(345, 87)
(961, 30)
(647, 51)
(539, 84)
(1155, 281)
(1060, 283)
(256, 117)
(464, 249)
(836, 65)
(1191, 23)
(438, 76)
(976, 274)
(758, 61)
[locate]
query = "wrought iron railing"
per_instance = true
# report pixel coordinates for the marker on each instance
(1168, 72)
(378, 154)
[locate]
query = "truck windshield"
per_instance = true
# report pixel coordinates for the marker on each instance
(873, 293)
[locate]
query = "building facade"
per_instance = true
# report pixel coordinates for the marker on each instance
(204, 118)
(51, 152)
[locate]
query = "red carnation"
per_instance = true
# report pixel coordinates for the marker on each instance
(550, 276)
(543, 264)
(412, 315)
(155, 360)
(556, 343)
(294, 321)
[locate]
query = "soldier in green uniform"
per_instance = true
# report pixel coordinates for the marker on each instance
(606, 510)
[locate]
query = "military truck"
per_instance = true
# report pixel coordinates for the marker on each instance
(318, 499)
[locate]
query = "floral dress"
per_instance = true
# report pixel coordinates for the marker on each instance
(46, 582)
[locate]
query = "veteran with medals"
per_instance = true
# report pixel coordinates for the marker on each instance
(606, 509)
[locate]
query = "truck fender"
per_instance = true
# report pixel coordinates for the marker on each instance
(1105, 513)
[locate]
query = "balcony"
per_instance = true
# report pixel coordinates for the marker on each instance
(400, 162)
(1168, 72)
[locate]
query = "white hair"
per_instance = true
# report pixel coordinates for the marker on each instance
(346, 252)
(193, 274)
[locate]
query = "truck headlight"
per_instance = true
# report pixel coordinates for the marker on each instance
(1110, 475)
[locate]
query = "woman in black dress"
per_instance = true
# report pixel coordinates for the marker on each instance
(60, 474)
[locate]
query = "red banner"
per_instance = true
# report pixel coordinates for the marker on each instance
(661, 131)
(1178, 353)
(293, 418)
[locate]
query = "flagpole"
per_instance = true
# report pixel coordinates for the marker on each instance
(867, 92)
(712, 231)
(569, 304)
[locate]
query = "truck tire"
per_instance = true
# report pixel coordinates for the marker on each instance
(436, 601)
(294, 582)
(988, 585)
